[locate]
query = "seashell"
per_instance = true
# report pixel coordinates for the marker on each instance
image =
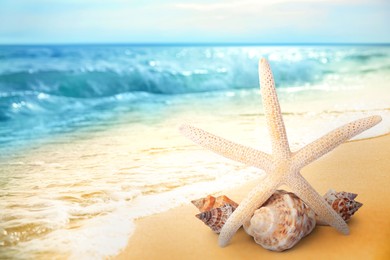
(343, 203)
(210, 202)
(281, 222)
(217, 217)
(332, 195)
(223, 200)
(204, 204)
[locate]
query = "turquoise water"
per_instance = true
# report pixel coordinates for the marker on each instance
(46, 90)
(89, 139)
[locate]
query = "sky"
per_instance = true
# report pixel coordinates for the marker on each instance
(201, 21)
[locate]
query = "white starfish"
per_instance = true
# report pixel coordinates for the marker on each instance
(283, 166)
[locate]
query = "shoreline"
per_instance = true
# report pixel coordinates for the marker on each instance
(177, 234)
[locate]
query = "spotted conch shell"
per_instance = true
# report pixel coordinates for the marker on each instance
(281, 222)
(217, 217)
(215, 211)
(343, 203)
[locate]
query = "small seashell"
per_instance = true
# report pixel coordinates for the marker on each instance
(281, 222)
(223, 200)
(210, 202)
(217, 217)
(343, 203)
(204, 204)
(332, 195)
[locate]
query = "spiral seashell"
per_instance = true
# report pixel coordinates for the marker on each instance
(210, 202)
(343, 203)
(281, 222)
(223, 200)
(216, 218)
(204, 204)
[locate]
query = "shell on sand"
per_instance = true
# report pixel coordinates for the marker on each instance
(281, 222)
(217, 217)
(210, 202)
(204, 204)
(223, 200)
(343, 203)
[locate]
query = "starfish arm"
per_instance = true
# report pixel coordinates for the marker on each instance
(328, 142)
(325, 213)
(256, 197)
(226, 148)
(273, 115)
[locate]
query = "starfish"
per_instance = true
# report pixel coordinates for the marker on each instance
(282, 167)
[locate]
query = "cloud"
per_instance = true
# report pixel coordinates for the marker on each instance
(290, 21)
(247, 5)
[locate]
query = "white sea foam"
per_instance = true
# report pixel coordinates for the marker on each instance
(106, 234)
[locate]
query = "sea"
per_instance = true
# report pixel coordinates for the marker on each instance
(90, 140)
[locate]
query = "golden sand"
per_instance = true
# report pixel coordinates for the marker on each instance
(362, 167)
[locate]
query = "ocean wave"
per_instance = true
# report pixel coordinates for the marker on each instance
(29, 103)
(52, 89)
(91, 72)
(94, 84)
(27, 116)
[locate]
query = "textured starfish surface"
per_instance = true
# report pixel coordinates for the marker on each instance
(282, 167)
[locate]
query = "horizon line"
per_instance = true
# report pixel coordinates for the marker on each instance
(151, 44)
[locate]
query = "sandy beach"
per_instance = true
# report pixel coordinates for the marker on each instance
(361, 167)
